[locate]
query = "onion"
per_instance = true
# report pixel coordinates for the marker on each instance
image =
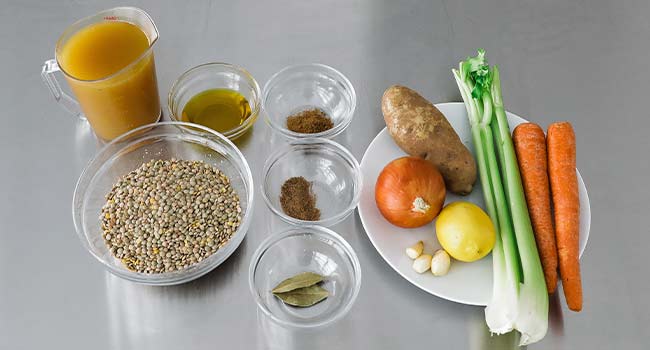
(410, 192)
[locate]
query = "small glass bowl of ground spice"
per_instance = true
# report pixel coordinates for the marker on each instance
(312, 181)
(309, 100)
(164, 203)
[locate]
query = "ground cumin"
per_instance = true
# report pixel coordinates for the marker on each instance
(298, 200)
(310, 121)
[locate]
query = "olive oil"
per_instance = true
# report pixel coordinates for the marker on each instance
(218, 109)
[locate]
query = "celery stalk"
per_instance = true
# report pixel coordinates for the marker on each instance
(532, 319)
(501, 312)
(519, 299)
(504, 305)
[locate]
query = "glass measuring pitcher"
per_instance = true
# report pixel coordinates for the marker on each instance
(107, 60)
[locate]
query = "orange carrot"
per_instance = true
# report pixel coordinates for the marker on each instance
(561, 144)
(530, 146)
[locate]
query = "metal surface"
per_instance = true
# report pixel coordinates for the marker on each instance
(576, 60)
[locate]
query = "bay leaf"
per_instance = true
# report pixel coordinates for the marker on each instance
(304, 297)
(300, 280)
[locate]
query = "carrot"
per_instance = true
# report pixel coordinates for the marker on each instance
(530, 146)
(561, 144)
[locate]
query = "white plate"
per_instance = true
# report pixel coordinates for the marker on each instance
(466, 283)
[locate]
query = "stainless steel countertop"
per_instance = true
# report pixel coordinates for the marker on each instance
(583, 61)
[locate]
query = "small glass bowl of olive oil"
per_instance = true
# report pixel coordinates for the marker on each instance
(220, 96)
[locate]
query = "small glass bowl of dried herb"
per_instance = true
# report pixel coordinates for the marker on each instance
(312, 181)
(308, 100)
(305, 277)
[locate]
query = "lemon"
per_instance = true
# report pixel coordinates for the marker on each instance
(465, 231)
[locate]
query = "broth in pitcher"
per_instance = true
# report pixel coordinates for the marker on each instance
(111, 71)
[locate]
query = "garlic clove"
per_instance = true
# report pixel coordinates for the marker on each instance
(415, 250)
(440, 263)
(422, 263)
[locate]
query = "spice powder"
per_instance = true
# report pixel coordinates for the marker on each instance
(298, 200)
(310, 121)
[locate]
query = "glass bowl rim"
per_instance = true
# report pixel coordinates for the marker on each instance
(167, 278)
(340, 151)
(257, 105)
(332, 72)
(275, 238)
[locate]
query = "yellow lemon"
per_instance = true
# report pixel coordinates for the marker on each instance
(465, 231)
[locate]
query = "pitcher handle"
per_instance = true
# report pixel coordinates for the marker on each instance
(70, 104)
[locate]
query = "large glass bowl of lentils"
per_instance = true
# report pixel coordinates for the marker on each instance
(164, 203)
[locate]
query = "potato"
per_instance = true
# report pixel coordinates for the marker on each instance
(420, 130)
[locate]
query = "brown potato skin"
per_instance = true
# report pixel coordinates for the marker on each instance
(421, 130)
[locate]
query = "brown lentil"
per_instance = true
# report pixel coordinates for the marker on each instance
(169, 214)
